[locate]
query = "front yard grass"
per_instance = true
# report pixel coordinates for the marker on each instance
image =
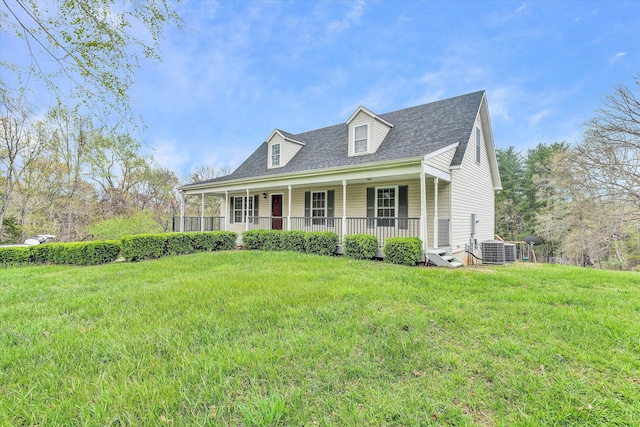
(259, 338)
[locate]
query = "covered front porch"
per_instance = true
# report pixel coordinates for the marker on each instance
(403, 201)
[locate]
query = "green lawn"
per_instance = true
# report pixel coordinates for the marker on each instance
(256, 338)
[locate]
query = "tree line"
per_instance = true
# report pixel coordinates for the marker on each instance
(582, 199)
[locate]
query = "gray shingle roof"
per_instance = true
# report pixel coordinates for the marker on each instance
(416, 131)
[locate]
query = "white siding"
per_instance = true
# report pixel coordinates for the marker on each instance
(442, 161)
(288, 149)
(472, 192)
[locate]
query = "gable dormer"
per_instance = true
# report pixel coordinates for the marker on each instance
(281, 148)
(366, 132)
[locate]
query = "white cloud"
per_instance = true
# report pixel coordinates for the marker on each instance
(352, 18)
(521, 8)
(619, 54)
(171, 154)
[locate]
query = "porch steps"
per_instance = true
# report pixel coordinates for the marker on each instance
(440, 258)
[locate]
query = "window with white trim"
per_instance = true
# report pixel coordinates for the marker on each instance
(318, 206)
(275, 155)
(242, 208)
(361, 139)
(478, 145)
(386, 205)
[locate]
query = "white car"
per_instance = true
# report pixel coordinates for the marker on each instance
(39, 239)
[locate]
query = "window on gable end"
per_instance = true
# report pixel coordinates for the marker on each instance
(275, 155)
(361, 139)
(478, 145)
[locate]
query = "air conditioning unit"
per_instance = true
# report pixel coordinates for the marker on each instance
(493, 252)
(509, 252)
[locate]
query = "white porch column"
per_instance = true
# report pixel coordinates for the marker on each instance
(202, 213)
(423, 210)
(289, 210)
(181, 228)
(246, 212)
(226, 209)
(344, 210)
(435, 212)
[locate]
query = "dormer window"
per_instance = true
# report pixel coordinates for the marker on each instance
(361, 138)
(275, 155)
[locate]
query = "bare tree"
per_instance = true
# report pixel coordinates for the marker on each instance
(610, 153)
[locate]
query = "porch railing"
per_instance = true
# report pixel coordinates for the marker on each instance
(384, 228)
(193, 223)
(301, 223)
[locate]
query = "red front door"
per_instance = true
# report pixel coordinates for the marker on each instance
(276, 211)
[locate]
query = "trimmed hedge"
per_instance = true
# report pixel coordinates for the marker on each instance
(133, 248)
(140, 247)
(320, 243)
(403, 250)
(293, 241)
(75, 253)
(360, 246)
(14, 255)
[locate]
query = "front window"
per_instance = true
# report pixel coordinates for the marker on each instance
(318, 206)
(386, 206)
(242, 208)
(361, 139)
(275, 155)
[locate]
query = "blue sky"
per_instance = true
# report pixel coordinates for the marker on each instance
(242, 68)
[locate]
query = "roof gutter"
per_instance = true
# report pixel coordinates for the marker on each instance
(306, 174)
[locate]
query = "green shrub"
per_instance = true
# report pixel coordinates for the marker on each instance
(40, 254)
(320, 243)
(87, 253)
(14, 255)
(272, 240)
(403, 250)
(209, 241)
(143, 246)
(293, 241)
(253, 240)
(178, 243)
(361, 246)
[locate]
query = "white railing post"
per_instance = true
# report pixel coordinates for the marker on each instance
(435, 212)
(181, 228)
(202, 213)
(344, 210)
(423, 209)
(226, 209)
(246, 212)
(289, 210)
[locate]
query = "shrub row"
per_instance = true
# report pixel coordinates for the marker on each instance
(150, 246)
(319, 243)
(76, 253)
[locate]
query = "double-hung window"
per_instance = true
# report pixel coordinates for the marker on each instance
(242, 208)
(361, 139)
(275, 155)
(386, 206)
(318, 206)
